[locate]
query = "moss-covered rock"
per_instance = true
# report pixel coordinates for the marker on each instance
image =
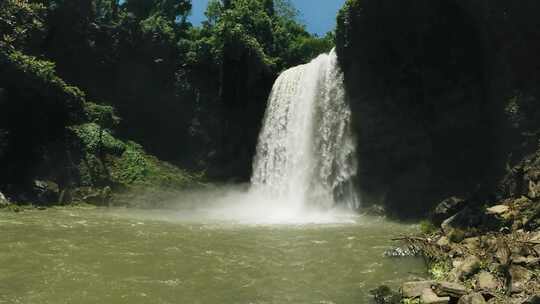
(135, 167)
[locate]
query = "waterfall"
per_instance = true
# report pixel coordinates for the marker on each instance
(306, 152)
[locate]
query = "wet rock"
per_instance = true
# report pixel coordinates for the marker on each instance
(486, 281)
(456, 235)
(473, 298)
(526, 261)
(384, 295)
(3, 200)
(45, 192)
(414, 289)
(443, 241)
(534, 189)
(454, 290)
(447, 208)
(536, 249)
(503, 252)
(430, 297)
(94, 196)
(520, 277)
(468, 267)
(532, 300)
(470, 218)
(375, 210)
(446, 225)
(473, 243)
(534, 236)
(66, 197)
(498, 209)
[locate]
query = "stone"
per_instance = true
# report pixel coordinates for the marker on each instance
(534, 189)
(473, 298)
(454, 290)
(46, 192)
(534, 237)
(3, 200)
(447, 208)
(384, 295)
(430, 297)
(498, 209)
(468, 267)
(503, 252)
(414, 289)
(472, 243)
(520, 277)
(443, 241)
(526, 261)
(532, 300)
(486, 281)
(66, 197)
(374, 210)
(536, 249)
(446, 225)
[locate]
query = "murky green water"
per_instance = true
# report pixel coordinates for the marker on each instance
(78, 255)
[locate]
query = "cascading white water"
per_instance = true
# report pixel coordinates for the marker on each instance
(306, 151)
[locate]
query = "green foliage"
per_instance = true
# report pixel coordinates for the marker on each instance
(102, 115)
(157, 28)
(456, 235)
(95, 139)
(37, 75)
(171, 9)
(439, 270)
(411, 301)
(21, 23)
(427, 227)
(135, 167)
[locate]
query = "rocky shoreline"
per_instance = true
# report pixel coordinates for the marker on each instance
(480, 251)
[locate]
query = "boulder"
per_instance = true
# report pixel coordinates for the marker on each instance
(453, 290)
(534, 189)
(470, 218)
(486, 281)
(414, 289)
(473, 243)
(430, 297)
(503, 252)
(3, 200)
(498, 209)
(374, 210)
(520, 277)
(473, 298)
(66, 197)
(534, 237)
(468, 267)
(532, 300)
(526, 261)
(447, 208)
(384, 295)
(443, 241)
(45, 192)
(447, 225)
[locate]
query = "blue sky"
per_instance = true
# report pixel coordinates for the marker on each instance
(318, 15)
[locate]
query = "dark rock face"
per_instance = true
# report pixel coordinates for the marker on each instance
(446, 209)
(45, 192)
(443, 95)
